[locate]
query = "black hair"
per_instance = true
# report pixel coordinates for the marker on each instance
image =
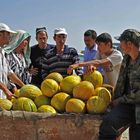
(91, 33)
(105, 38)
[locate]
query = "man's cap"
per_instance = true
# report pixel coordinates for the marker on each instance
(60, 31)
(129, 35)
(4, 27)
(104, 37)
(41, 29)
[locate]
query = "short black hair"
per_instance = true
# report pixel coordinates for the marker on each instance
(91, 33)
(105, 38)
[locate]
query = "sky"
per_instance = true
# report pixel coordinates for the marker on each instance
(77, 16)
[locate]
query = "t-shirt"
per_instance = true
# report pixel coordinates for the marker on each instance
(111, 72)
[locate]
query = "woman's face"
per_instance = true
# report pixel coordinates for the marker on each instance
(21, 47)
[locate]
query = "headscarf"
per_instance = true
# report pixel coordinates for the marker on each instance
(16, 40)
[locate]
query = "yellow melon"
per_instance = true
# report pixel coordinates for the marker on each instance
(95, 78)
(49, 87)
(17, 93)
(103, 93)
(75, 106)
(55, 76)
(69, 82)
(5, 104)
(96, 104)
(83, 90)
(42, 100)
(30, 91)
(24, 104)
(48, 109)
(59, 101)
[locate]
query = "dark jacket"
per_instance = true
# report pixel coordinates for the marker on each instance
(133, 97)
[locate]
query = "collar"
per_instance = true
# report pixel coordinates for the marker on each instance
(94, 48)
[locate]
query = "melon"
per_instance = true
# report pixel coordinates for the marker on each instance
(30, 91)
(55, 76)
(75, 106)
(95, 78)
(96, 104)
(49, 87)
(103, 93)
(17, 93)
(24, 104)
(69, 82)
(59, 101)
(48, 109)
(42, 100)
(5, 104)
(83, 90)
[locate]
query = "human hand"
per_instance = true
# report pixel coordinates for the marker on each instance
(71, 68)
(9, 94)
(90, 69)
(33, 71)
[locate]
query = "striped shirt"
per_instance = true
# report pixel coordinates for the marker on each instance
(54, 62)
(4, 71)
(20, 67)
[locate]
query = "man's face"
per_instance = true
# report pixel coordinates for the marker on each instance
(104, 48)
(42, 39)
(89, 41)
(125, 46)
(60, 39)
(4, 38)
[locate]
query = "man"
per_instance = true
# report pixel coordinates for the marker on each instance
(37, 52)
(5, 71)
(108, 58)
(61, 56)
(91, 47)
(126, 101)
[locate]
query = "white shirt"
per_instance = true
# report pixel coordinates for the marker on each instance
(111, 73)
(4, 71)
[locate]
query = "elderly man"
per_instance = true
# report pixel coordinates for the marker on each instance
(5, 71)
(126, 101)
(61, 56)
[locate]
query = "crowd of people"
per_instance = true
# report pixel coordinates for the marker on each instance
(22, 64)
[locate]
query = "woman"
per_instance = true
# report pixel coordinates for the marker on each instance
(18, 55)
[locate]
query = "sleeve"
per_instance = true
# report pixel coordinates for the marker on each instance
(132, 98)
(116, 58)
(9, 64)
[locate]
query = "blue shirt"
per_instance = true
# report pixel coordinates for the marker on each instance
(90, 54)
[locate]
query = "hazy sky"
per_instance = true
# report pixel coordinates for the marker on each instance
(112, 16)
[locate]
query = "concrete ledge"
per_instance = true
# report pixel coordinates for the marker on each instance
(21, 125)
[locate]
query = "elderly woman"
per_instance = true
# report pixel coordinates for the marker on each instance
(18, 54)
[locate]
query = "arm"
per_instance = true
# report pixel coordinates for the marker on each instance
(6, 90)
(15, 79)
(95, 63)
(132, 98)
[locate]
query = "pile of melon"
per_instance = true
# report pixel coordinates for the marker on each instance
(58, 95)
